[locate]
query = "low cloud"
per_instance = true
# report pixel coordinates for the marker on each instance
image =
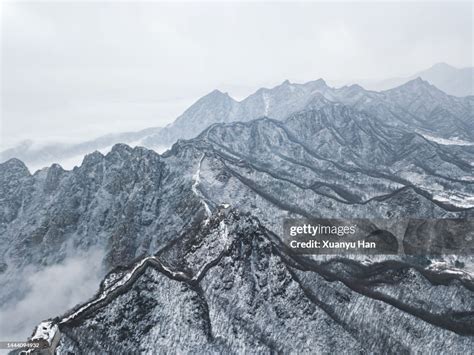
(51, 291)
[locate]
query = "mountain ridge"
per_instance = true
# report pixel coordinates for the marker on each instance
(280, 102)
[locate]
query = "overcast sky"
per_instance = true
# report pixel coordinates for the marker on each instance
(75, 70)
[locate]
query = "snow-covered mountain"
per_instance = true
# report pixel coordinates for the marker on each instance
(188, 272)
(235, 288)
(416, 105)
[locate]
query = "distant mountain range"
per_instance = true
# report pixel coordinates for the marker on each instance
(417, 101)
(451, 80)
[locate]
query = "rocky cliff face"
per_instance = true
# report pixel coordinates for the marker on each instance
(191, 275)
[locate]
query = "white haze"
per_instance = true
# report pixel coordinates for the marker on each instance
(51, 292)
(72, 71)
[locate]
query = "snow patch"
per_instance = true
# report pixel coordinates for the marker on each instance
(45, 330)
(447, 141)
(455, 199)
(443, 267)
(195, 187)
(266, 102)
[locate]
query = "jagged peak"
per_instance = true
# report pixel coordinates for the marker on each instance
(93, 157)
(14, 165)
(122, 150)
(216, 95)
(55, 168)
(415, 85)
(321, 83)
(209, 99)
(13, 162)
(418, 82)
(217, 92)
(121, 147)
(119, 150)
